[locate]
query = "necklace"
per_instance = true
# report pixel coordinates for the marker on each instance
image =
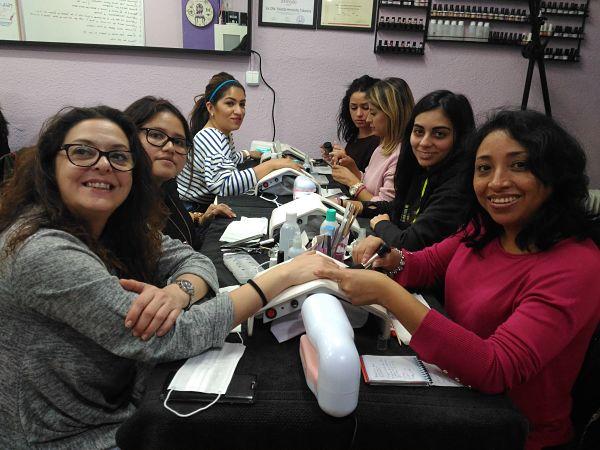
(189, 234)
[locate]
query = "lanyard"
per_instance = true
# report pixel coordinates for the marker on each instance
(421, 198)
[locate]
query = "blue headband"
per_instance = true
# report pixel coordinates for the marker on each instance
(210, 99)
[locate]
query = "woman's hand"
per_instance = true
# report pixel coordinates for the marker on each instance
(255, 154)
(358, 205)
(337, 154)
(154, 310)
(302, 268)
(368, 247)
(344, 176)
(213, 210)
(363, 287)
(285, 163)
(378, 218)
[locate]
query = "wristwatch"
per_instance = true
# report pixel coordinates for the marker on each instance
(187, 287)
(355, 187)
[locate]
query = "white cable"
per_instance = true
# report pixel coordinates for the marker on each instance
(178, 414)
(241, 338)
(272, 201)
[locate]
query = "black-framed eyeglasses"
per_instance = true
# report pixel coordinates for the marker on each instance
(86, 156)
(160, 138)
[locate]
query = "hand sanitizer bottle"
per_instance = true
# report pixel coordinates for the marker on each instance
(287, 232)
(330, 224)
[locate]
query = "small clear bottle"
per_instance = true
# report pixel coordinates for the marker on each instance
(296, 248)
(288, 231)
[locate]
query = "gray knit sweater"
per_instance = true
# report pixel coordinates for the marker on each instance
(67, 362)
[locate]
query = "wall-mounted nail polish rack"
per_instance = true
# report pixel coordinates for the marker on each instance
(401, 27)
(484, 22)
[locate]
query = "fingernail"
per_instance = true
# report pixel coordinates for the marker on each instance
(128, 324)
(145, 337)
(135, 334)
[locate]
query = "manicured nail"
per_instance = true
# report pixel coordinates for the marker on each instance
(135, 334)
(145, 337)
(128, 324)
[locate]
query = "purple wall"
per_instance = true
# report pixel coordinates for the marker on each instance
(199, 38)
(309, 70)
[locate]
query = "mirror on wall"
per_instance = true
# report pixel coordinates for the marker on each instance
(214, 26)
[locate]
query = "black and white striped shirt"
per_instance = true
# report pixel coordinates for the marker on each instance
(215, 170)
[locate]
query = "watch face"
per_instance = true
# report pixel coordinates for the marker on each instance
(200, 13)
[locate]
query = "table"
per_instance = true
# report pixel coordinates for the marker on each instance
(286, 414)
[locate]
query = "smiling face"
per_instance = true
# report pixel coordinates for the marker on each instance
(359, 110)
(432, 137)
(228, 113)
(504, 185)
(378, 121)
(93, 193)
(166, 162)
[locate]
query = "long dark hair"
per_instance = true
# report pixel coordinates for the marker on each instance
(212, 93)
(346, 129)
(558, 161)
(457, 109)
(131, 240)
(4, 149)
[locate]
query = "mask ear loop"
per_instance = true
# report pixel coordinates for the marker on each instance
(178, 414)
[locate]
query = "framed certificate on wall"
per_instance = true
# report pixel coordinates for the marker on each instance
(347, 15)
(287, 13)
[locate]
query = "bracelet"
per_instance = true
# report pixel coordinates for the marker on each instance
(400, 267)
(359, 190)
(261, 294)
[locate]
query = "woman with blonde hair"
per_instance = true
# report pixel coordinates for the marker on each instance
(390, 106)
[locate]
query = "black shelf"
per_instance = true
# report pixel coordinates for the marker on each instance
(388, 26)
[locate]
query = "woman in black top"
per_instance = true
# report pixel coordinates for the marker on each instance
(429, 199)
(166, 138)
(352, 125)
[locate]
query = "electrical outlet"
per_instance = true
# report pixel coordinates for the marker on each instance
(252, 78)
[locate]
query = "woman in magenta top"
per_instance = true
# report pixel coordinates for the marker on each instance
(390, 106)
(522, 291)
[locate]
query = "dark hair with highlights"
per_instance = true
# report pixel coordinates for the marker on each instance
(346, 129)
(131, 239)
(558, 161)
(199, 115)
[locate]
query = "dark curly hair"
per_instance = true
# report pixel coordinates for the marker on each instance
(4, 149)
(131, 239)
(346, 129)
(558, 161)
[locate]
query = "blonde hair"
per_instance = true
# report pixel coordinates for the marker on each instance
(394, 98)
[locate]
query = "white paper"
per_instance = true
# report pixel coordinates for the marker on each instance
(9, 20)
(288, 327)
(210, 372)
(244, 228)
(113, 22)
(439, 378)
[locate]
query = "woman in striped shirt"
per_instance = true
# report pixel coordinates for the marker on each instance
(212, 170)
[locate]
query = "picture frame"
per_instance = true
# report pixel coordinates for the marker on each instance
(280, 13)
(349, 15)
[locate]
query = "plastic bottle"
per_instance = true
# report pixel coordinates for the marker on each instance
(296, 248)
(330, 224)
(287, 232)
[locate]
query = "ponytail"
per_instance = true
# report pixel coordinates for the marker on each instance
(199, 115)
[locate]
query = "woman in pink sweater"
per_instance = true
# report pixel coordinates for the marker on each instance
(522, 291)
(390, 106)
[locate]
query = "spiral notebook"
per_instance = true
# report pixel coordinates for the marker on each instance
(394, 370)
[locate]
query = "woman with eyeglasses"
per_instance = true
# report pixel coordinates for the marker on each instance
(166, 137)
(213, 168)
(88, 283)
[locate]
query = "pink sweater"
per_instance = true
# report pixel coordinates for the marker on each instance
(517, 323)
(379, 175)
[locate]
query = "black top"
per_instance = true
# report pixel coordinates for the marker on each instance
(427, 219)
(179, 223)
(361, 150)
